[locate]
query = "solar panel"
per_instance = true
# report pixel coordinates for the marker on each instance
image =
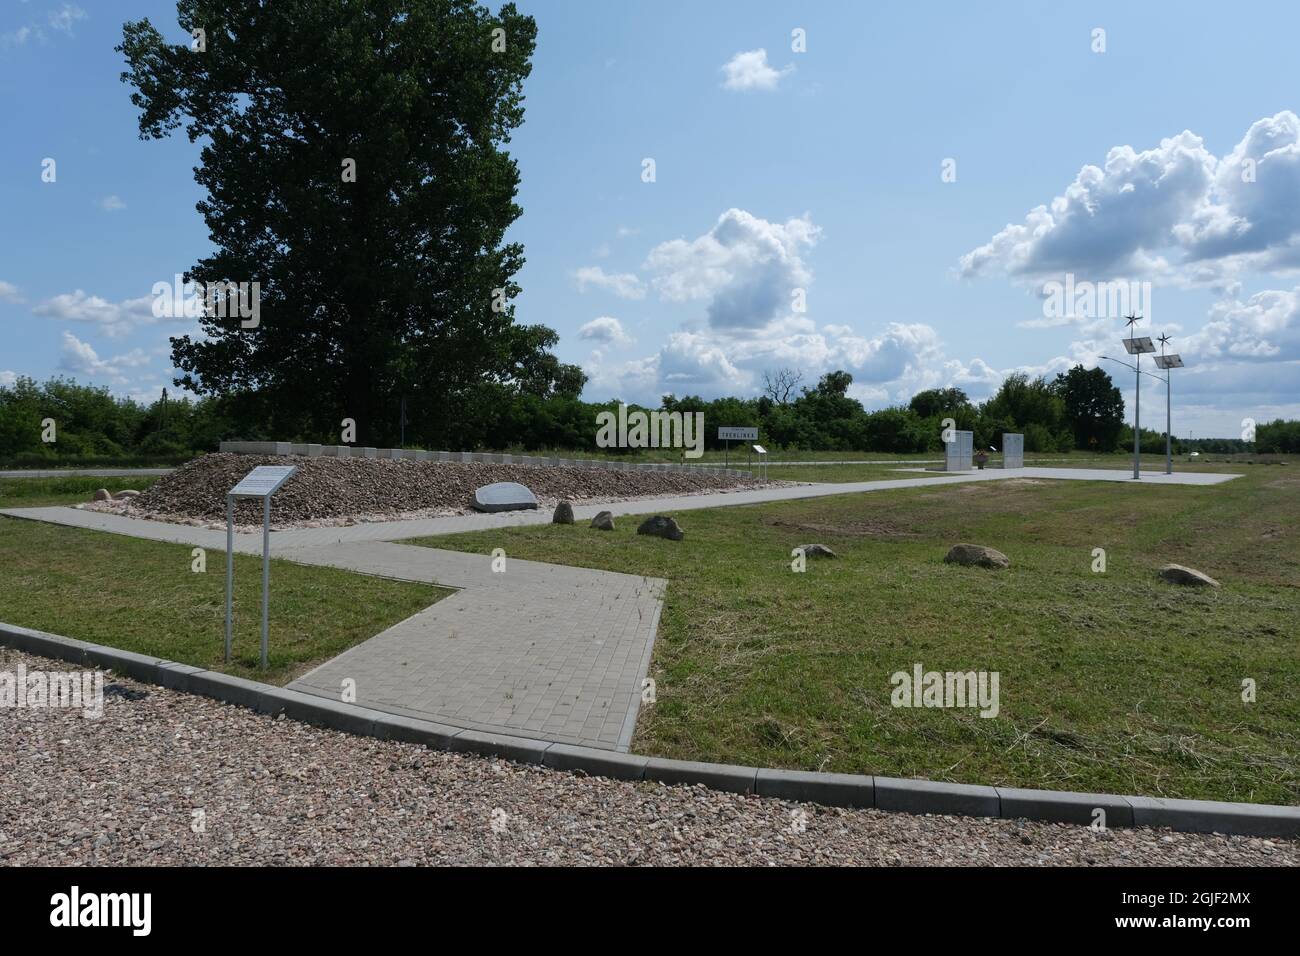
(1169, 361)
(1139, 346)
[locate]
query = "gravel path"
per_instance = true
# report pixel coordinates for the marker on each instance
(124, 789)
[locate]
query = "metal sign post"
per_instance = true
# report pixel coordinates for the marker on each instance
(262, 482)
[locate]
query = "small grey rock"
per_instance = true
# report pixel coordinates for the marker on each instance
(817, 551)
(603, 521)
(127, 493)
(103, 494)
(563, 513)
(977, 555)
(1188, 577)
(662, 527)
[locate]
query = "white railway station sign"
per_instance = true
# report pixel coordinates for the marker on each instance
(737, 434)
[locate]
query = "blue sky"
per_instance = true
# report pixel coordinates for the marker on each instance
(1171, 158)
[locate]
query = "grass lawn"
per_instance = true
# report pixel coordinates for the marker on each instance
(143, 596)
(69, 490)
(1108, 682)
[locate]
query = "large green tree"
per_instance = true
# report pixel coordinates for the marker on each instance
(1094, 407)
(355, 167)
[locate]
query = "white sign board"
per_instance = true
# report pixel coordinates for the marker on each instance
(263, 481)
(737, 434)
(760, 449)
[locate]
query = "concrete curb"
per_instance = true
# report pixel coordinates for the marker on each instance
(829, 789)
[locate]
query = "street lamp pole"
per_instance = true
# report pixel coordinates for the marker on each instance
(1137, 401)
(1168, 362)
(1136, 347)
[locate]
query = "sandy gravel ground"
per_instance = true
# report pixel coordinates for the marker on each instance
(169, 778)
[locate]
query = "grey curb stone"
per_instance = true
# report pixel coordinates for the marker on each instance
(231, 690)
(1211, 816)
(324, 712)
(831, 789)
(1062, 806)
(715, 776)
(176, 676)
(46, 645)
(411, 731)
(596, 763)
(928, 796)
(520, 749)
(129, 663)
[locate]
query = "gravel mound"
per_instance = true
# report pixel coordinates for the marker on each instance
(128, 788)
(335, 488)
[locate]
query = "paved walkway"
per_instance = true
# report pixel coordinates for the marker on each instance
(539, 650)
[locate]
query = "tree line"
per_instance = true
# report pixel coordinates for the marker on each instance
(1080, 410)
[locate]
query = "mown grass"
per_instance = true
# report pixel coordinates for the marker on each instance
(143, 596)
(1110, 681)
(67, 490)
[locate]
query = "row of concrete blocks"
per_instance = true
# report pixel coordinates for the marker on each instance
(829, 789)
(487, 458)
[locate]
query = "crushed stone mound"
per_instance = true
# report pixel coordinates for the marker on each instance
(329, 489)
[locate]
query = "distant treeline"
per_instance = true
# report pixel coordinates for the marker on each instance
(1078, 410)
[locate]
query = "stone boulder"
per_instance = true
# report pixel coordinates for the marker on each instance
(103, 494)
(661, 527)
(977, 555)
(816, 551)
(563, 513)
(504, 496)
(127, 493)
(603, 521)
(1188, 577)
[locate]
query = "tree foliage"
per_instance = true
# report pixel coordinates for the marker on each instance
(393, 283)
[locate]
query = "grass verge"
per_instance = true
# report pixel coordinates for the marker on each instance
(1109, 681)
(144, 596)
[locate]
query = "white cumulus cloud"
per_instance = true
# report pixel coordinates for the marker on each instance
(751, 71)
(625, 285)
(605, 329)
(1175, 211)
